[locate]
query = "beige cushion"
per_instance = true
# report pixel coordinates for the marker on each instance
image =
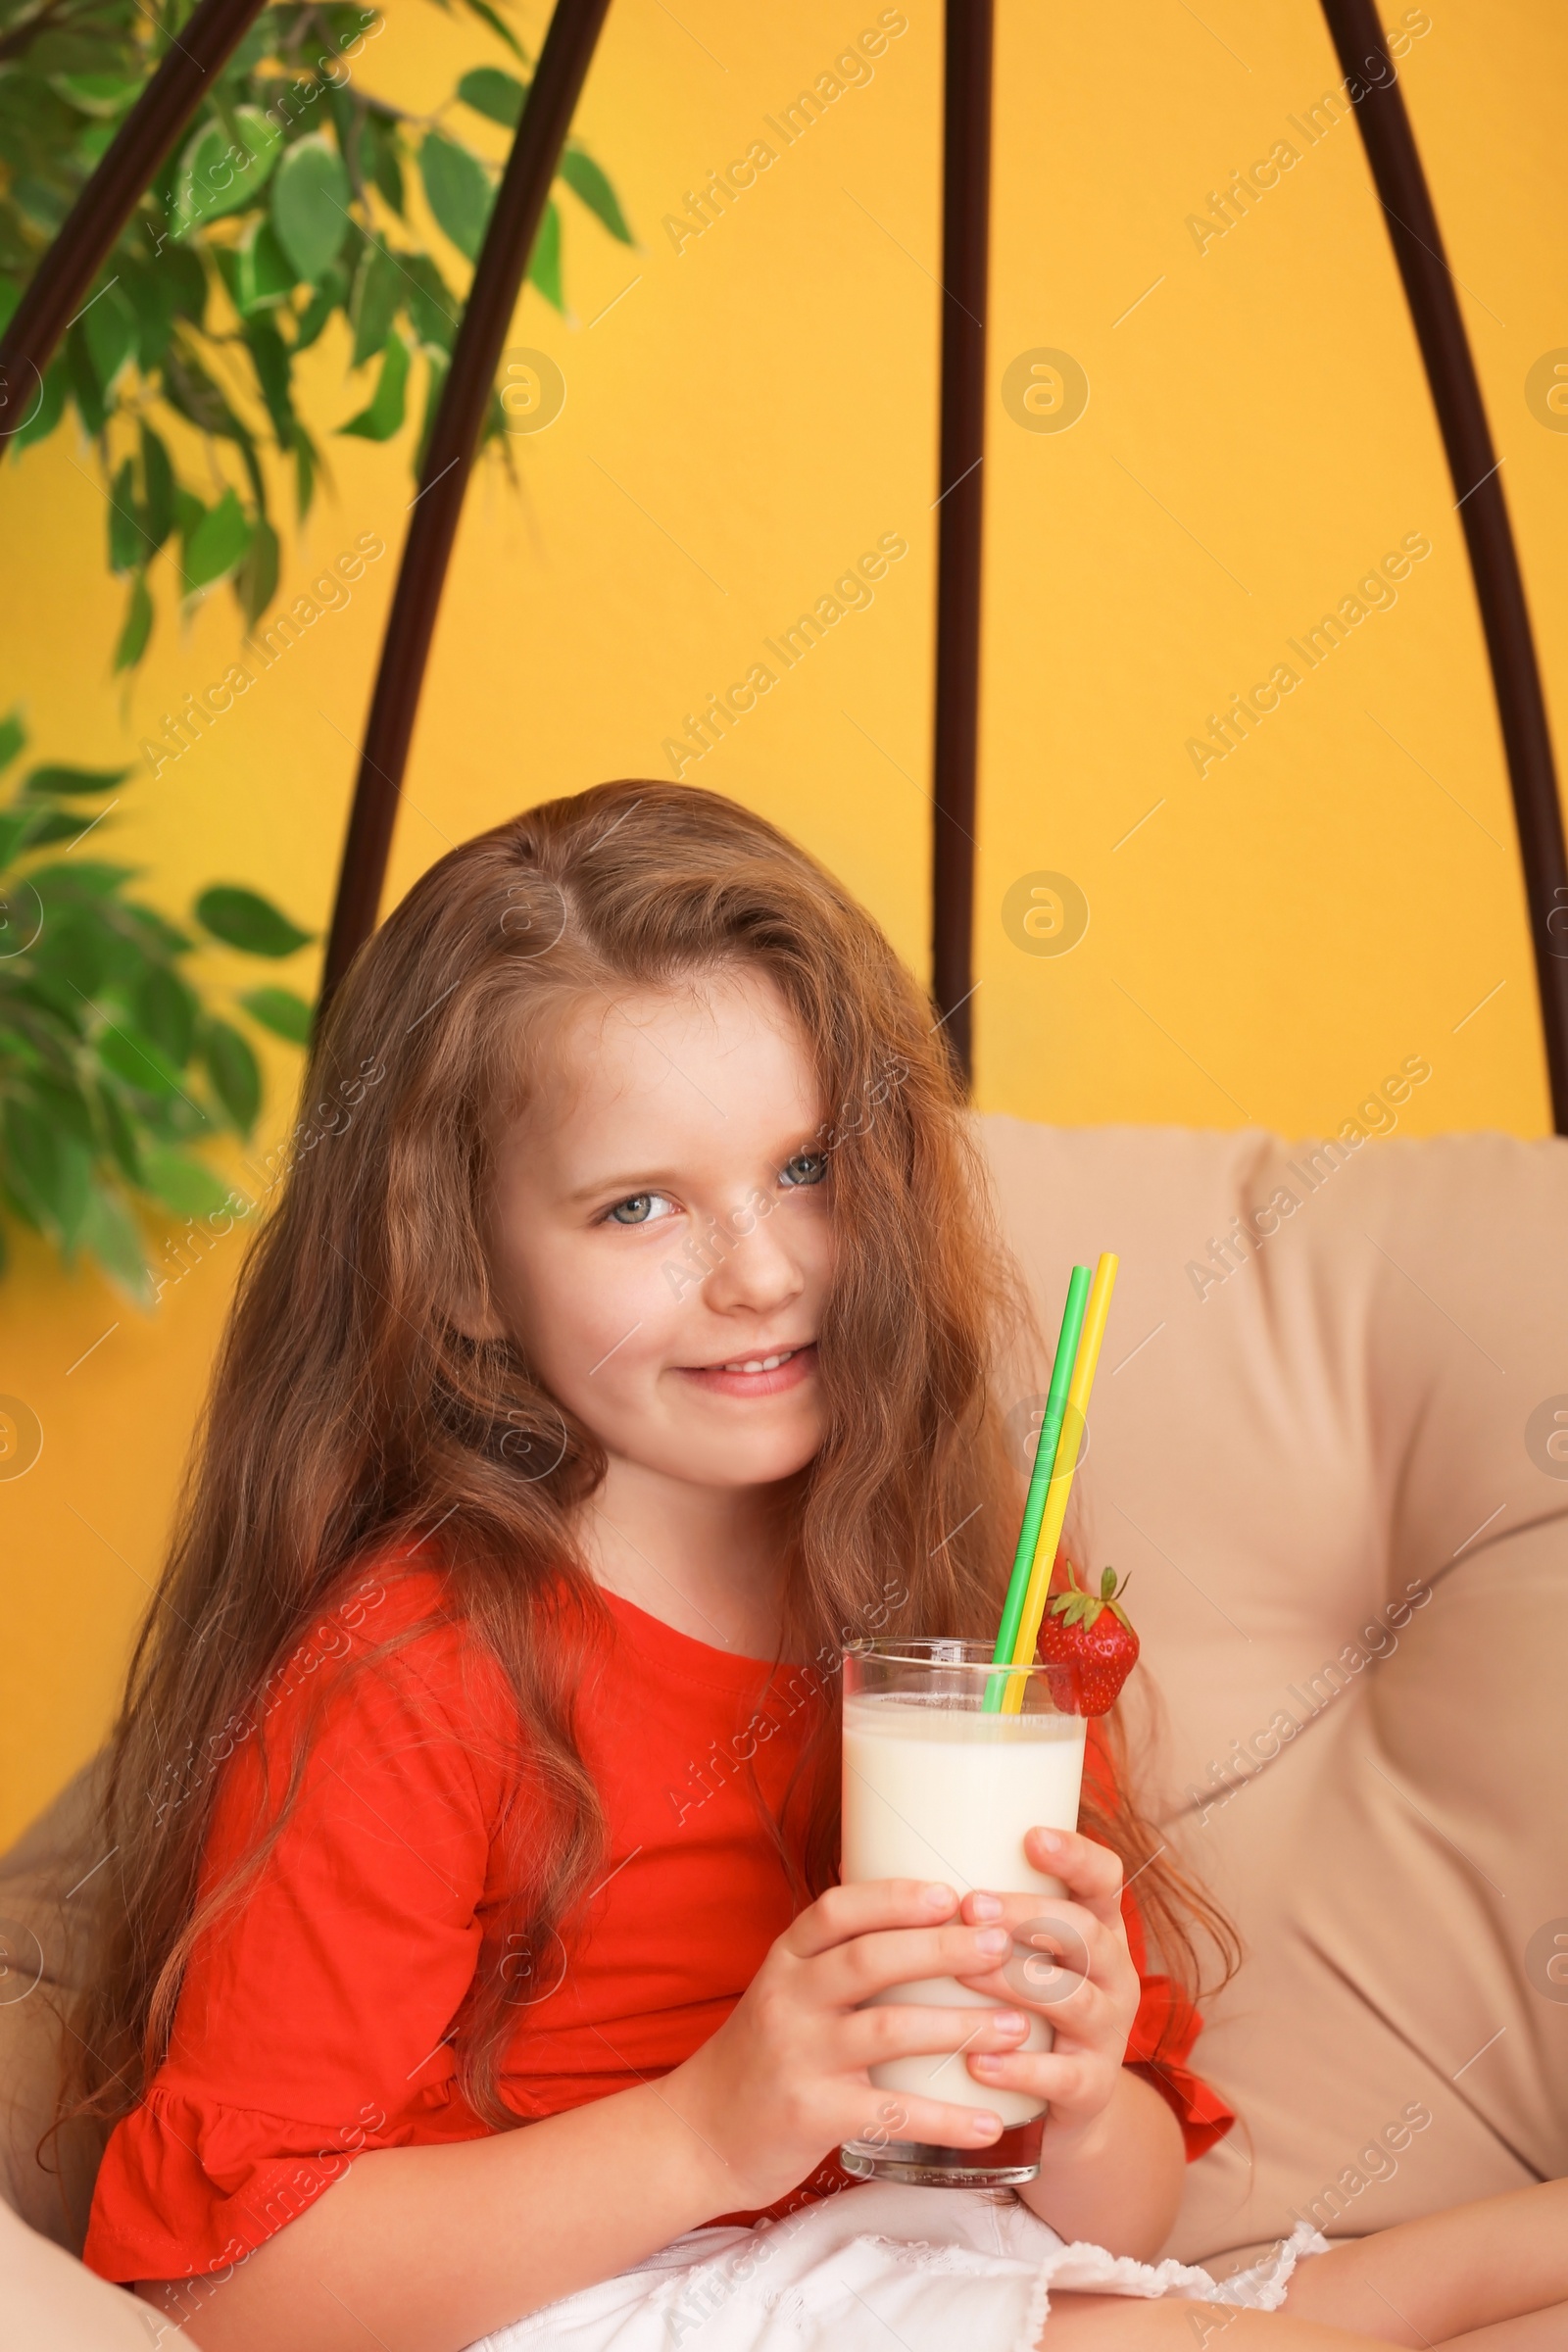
(1277, 1456)
(1340, 1422)
(48, 1913)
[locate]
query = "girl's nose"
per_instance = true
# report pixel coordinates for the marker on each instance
(754, 1270)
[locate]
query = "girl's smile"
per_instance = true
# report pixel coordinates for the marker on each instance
(761, 1375)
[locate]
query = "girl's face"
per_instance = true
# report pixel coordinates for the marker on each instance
(659, 1238)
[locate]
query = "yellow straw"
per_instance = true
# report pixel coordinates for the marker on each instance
(1074, 1424)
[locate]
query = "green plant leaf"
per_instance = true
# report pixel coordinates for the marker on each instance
(219, 175)
(499, 96)
(216, 544)
(310, 204)
(384, 414)
(42, 419)
(156, 934)
(151, 296)
(49, 1169)
(183, 1185)
(544, 265)
(86, 878)
(280, 1010)
(77, 950)
(431, 307)
(589, 184)
(242, 918)
(12, 736)
(207, 184)
(235, 1075)
(132, 643)
(377, 284)
(498, 25)
(191, 391)
(109, 1230)
(332, 290)
(264, 276)
(386, 169)
(138, 1062)
(459, 189)
(97, 93)
(165, 1012)
(15, 828)
(157, 485)
(187, 282)
(126, 541)
(269, 355)
(108, 324)
(65, 1108)
(121, 1133)
(255, 574)
(85, 388)
(307, 458)
(45, 825)
(78, 779)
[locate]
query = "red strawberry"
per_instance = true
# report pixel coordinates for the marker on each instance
(1087, 1641)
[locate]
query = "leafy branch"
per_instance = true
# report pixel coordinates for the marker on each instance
(113, 1061)
(287, 204)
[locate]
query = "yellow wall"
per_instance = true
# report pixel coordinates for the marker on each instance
(757, 410)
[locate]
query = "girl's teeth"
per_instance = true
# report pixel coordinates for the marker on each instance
(761, 1363)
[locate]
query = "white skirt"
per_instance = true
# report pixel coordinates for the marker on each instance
(937, 2267)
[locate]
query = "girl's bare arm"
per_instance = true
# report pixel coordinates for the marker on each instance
(425, 2249)
(1118, 2181)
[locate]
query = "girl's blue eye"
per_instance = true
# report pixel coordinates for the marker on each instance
(638, 1209)
(805, 1167)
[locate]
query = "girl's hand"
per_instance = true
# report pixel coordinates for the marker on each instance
(1070, 1963)
(784, 2080)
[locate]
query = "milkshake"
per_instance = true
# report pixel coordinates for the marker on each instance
(937, 1788)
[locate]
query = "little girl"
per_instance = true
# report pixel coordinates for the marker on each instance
(626, 1338)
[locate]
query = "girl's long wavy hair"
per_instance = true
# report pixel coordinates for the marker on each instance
(348, 1415)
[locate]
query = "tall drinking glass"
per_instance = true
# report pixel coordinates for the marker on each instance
(936, 1787)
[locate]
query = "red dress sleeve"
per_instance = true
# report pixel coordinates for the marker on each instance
(1164, 2011)
(313, 2017)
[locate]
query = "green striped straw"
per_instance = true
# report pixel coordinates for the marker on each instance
(1034, 1509)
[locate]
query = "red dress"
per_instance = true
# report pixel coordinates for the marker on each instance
(313, 2019)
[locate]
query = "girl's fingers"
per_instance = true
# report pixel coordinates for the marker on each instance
(1082, 2014)
(868, 1964)
(909, 2030)
(1065, 2082)
(1089, 1870)
(1056, 1941)
(845, 1912)
(893, 2115)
